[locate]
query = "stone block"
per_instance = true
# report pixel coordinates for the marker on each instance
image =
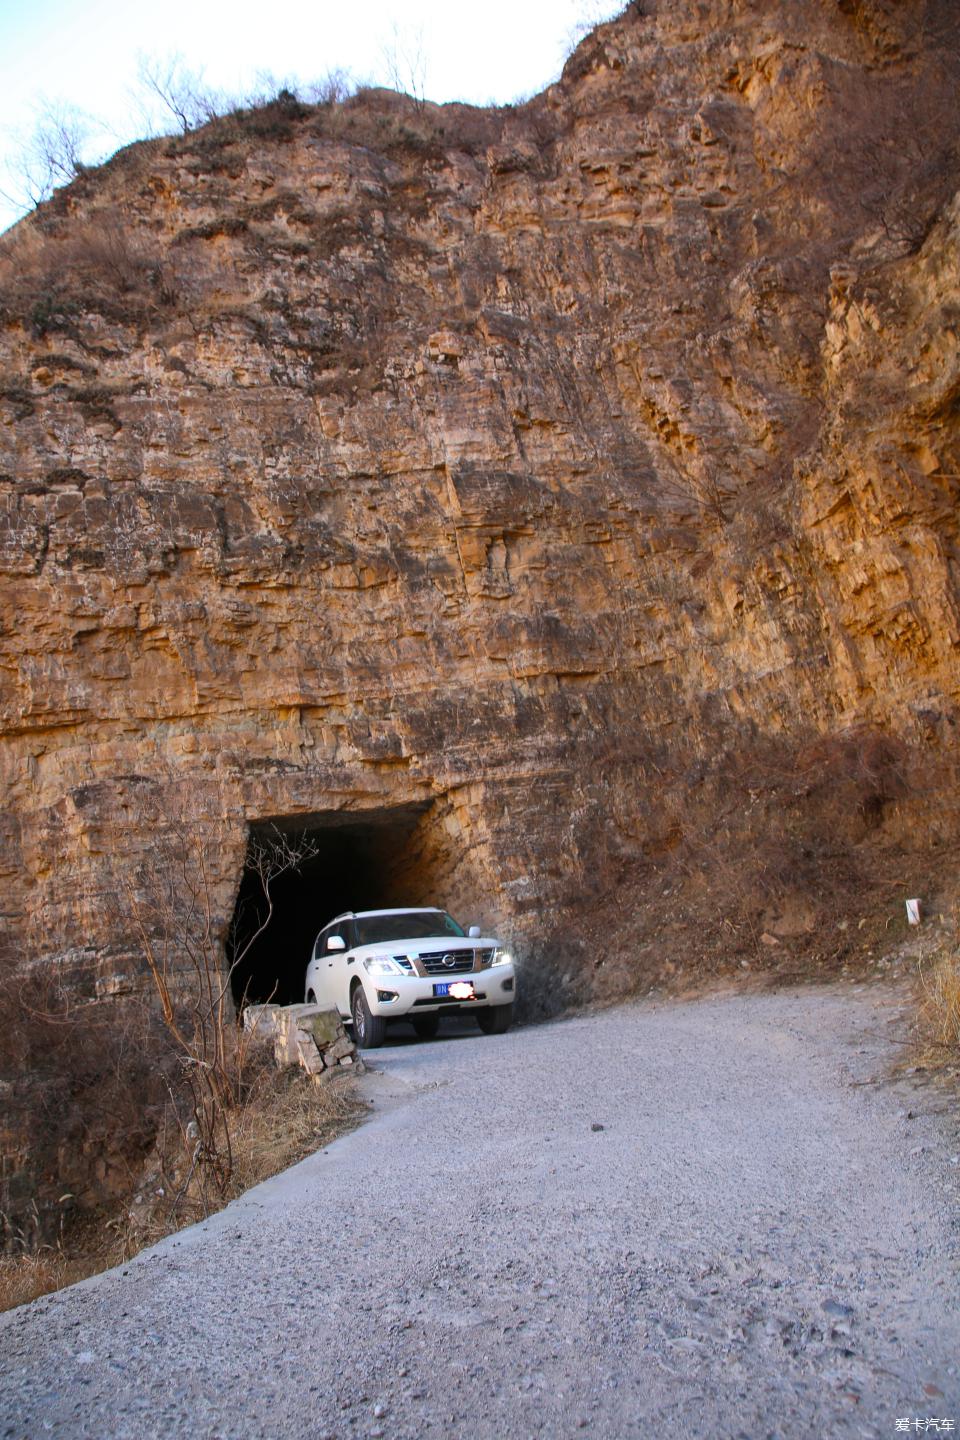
(260, 1019)
(325, 1026)
(285, 1042)
(291, 1024)
(309, 1056)
(281, 1055)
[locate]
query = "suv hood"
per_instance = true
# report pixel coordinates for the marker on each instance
(428, 945)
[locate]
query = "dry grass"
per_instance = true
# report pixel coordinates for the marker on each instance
(287, 1118)
(26, 1277)
(85, 1085)
(940, 1008)
(86, 1246)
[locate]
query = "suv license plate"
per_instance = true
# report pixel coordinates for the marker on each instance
(455, 989)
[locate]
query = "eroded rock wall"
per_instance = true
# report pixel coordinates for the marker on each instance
(587, 470)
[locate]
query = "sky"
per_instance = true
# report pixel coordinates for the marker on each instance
(86, 54)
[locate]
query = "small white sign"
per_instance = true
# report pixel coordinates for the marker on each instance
(913, 912)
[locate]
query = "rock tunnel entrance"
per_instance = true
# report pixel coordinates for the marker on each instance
(355, 861)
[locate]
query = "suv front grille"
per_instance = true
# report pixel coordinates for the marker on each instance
(433, 962)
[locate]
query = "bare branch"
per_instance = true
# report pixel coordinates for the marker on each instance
(405, 60)
(180, 91)
(331, 89)
(170, 901)
(58, 150)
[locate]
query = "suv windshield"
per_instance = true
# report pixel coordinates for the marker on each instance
(421, 925)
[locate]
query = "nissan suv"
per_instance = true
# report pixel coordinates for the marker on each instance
(374, 966)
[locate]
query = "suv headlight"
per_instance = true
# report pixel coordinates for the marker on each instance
(501, 957)
(381, 965)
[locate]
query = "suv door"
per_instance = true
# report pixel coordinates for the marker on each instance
(341, 967)
(319, 972)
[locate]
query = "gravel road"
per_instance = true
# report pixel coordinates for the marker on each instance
(693, 1219)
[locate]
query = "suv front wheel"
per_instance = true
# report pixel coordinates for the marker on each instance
(369, 1031)
(495, 1019)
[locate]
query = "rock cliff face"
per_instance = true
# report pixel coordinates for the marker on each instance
(547, 507)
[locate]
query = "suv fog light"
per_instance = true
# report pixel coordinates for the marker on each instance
(386, 996)
(507, 984)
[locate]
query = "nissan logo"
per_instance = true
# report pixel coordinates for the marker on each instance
(449, 961)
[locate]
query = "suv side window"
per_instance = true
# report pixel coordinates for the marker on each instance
(321, 943)
(348, 930)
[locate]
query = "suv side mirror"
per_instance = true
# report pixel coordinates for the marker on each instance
(335, 942)
(474, 932)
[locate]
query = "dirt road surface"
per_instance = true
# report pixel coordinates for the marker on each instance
(689, 1219)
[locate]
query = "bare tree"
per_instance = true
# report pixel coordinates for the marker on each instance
(331, 89)
(66, 141)
(180, 91)
(184, 96)
(168, 898)
(60, 147)
(405, 60)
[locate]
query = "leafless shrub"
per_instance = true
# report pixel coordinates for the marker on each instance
(109, 249)
(592, 13)
(798, 842)
(405, 62)
(853, 776)
(104, 263)
(64, 142)
(907, 177)
(169, 899)
(180, 91)
(713, 497)
(331, 89)
(183, 96)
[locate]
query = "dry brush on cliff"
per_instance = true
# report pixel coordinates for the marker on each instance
(939, 975)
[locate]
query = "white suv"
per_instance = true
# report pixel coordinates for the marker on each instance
(380, 965)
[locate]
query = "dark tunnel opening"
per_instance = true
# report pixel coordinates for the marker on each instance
(365, 862)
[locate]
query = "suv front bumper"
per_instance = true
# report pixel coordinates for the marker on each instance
(416, 995)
